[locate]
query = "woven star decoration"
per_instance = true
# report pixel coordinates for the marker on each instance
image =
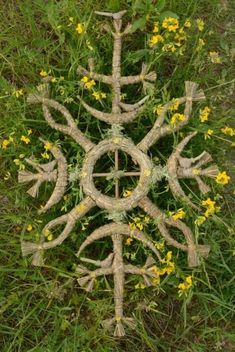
(176, 168)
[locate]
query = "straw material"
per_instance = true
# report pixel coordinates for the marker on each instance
(176, 168)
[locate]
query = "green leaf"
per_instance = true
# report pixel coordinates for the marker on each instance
(160, 5)
(167, 14)
(139, 24)
(113, 5)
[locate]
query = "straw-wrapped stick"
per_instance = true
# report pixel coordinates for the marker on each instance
(68, 219)
(160, 128)
(161, 221)
(71, 129)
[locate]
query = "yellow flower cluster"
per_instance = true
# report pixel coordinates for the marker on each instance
(88, 83)
(99, 95)
(204, 114)
(185, 286)
(25, 139)
(229, 131)
(177, 215)
(211, 207)
(200, 24)
(176, 118)
(47, 233)
(155, 39)
(138, 223)
(208, 133)
(174, 104)
(80, 28)
(17, 93)
(5, 143)
(200, 44)
(29, 228)
(222, 178)
(170, 24)
(43, 73)
(214, 57)
(127, 193)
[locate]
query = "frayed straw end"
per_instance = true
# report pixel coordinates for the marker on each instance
(82, 281)
(33, 191)
(38, 259)
(211, 171)
(130, 322)
(202, 186)
(151, 76)
(193, 259)
(34, 99)
(108, 323)
(28, 248)
(119, 330)
(25, 176)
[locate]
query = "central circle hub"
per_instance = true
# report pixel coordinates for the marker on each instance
(142, 188)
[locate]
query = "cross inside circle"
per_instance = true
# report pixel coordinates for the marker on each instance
(145, 173)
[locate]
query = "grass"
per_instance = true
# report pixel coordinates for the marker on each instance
(43, 309)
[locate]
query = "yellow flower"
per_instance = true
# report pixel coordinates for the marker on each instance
(200, 24)
(187, 24)
(19, 163)
(179, 214)
(185, 286)
(45, 155)
(88, 83)
(174, 105)
(222, 178)
(169, 47)
(43, 73)
(155, 39)
(17, 92)
(84, 79)
(47, 233)
(140, 226)
(209, 133)
(71, 20)
(228, 131)
(156, 27)
(129, 241)
(140, 285)
(48, 146)
(176, 118)
(25, 139)
(127, 193)
(171, 24)
(200, 220)
(215, 58)
(132, 226)
(7, 176)
(200, 44)
(211, 208)
(5, 143)
(99, 95)
(204, 113)
(80, 28)
(158, 109)
(159, 245)
(29, 227)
